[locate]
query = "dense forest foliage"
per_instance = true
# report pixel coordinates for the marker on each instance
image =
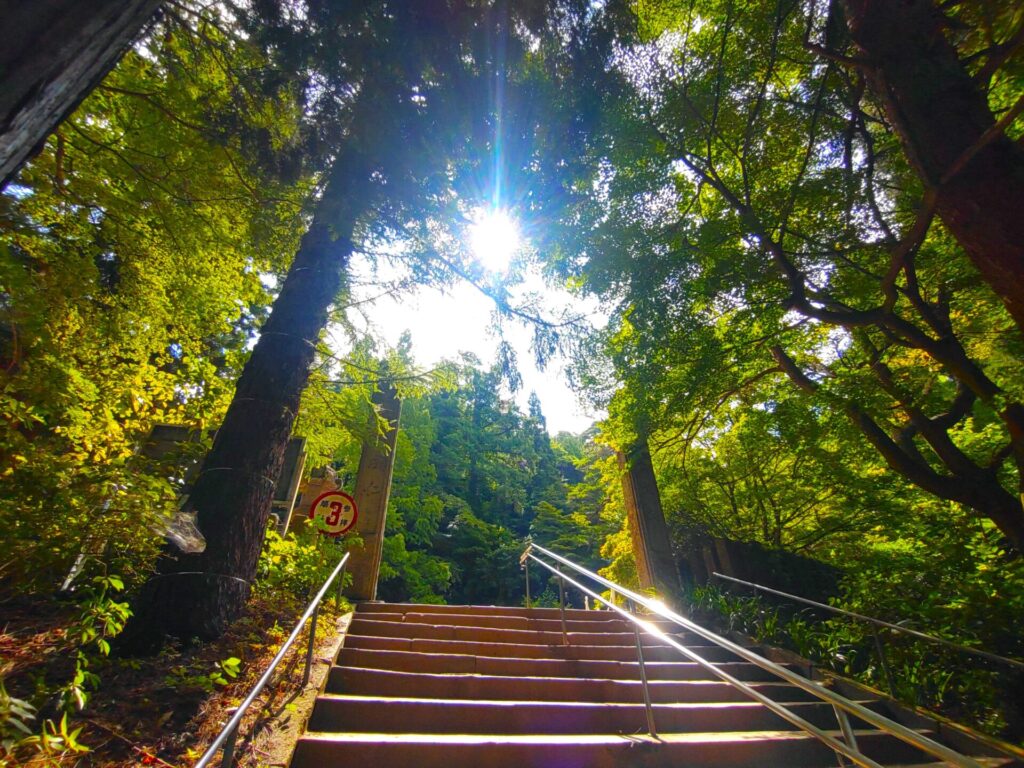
(802, 323)
(473, 478)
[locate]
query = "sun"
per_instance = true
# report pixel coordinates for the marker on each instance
(493, 238)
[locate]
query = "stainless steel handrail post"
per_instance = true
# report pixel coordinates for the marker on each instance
(846, 729)
(524, 560)
(745, 688)
(310, 646)
(229, 733)
(885, 724)
(341, 587)
(880, 650)
(561, 606)
(229, 749)
(526, 566)
(648, 708)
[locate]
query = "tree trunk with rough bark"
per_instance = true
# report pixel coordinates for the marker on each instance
(54, 53)
(949, 133)
(199, 595)
(652, 544)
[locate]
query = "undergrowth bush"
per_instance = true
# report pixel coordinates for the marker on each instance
(37, 724)
(23, 739)
(298, 563)
(920, 673)
(48, 740)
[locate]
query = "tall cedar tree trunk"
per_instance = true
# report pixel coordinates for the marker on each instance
(941, 114)
(198, 595)
(54, 53)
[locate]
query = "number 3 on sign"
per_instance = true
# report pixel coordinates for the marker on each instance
(332, 519)
(336, 511)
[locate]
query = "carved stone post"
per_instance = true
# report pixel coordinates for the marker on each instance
(373, 486)
(652, 547)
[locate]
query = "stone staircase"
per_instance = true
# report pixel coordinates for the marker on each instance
(450, 686)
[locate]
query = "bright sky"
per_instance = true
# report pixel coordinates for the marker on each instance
(445, 323)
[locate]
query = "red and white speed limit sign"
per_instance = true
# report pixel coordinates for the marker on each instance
(337, 510)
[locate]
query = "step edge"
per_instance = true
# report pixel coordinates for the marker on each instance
(459, 675)
(655, 664)
(696, 737)
(509, 703)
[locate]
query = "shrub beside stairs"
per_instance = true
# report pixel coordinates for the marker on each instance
(451, 686)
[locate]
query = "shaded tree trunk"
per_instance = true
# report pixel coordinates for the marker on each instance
(199, 595)
(652, 543)
(55, 52)
(949, 133)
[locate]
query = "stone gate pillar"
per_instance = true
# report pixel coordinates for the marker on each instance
(652, 547)
(373, 487)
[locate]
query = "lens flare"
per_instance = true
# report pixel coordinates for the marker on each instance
(493, 239)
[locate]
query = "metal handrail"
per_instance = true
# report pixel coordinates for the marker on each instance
(228, 734)
(840, 704)
(877, 622)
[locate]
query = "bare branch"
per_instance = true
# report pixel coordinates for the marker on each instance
(908, 246)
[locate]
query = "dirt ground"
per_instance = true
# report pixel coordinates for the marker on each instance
(165, 710)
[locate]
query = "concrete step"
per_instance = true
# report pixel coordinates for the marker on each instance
(483, 610)
(377, 682)
(454, 686)
(530, 651)
(364, 626)
(755, 749)
(610, 623)
(377, 714)
(441, 663)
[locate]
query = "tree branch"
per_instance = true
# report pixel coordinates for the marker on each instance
(999, 55)
(994, 132)
(907, 247)
(897, 459)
